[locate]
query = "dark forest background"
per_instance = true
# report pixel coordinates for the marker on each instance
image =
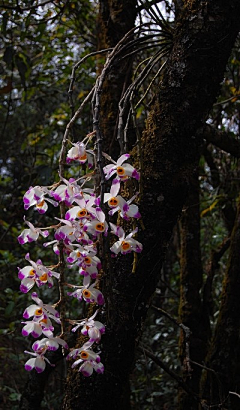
(186, 348)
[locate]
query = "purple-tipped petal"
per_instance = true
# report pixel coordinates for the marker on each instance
(136, 175)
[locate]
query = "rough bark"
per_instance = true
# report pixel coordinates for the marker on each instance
(116, 18)
(205, 33)
(224, 356)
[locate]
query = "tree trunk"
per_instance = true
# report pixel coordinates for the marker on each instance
(204, 35)
(116, 18)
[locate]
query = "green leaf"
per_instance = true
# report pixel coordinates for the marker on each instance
(9, 308)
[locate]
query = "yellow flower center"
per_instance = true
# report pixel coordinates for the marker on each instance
(32, 272)
(38, 312)
(113, 201)
(120, 171)
(86, 293)
(87, 260)
(82, 213)
(84, 355)
(43, 321)
(43, 277)
(125, 245)
(78, 254)
(83, 157)
(99, 227)
(40, 205)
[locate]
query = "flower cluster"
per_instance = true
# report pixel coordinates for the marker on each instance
(78, 231)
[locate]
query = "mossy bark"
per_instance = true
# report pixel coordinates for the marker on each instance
(203, 40)
(116, 18)
(110, 390)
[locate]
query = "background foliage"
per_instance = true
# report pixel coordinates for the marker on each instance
(39, 46)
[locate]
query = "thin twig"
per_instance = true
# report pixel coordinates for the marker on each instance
(174, 375)
(73, 75)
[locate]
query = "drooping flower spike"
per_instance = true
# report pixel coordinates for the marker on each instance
(78, 233)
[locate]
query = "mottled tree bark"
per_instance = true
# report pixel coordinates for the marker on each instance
(116, 18)
(204, 35)
(111, 390)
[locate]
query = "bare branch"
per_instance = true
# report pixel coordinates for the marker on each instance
(174, 375)
(222, 140)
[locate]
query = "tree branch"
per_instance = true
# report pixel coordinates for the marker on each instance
(174, 375)
(222, 140)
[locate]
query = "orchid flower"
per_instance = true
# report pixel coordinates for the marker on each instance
(92, 328)
(66, 192)
(73, 230)
(123, 171)
(126, 244)
(31, 234)
(89, 271)
(84, 209)
(38, 326)
(88, 359)
(51, 343)
(35, 273)
(99, 225)
(88, 366)
(74, 353)
(40, 310)
(88, 292)
(112, 198)
(40, 348)
(81, 252)
(79, 153)
(35, 197)
(38, 363)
